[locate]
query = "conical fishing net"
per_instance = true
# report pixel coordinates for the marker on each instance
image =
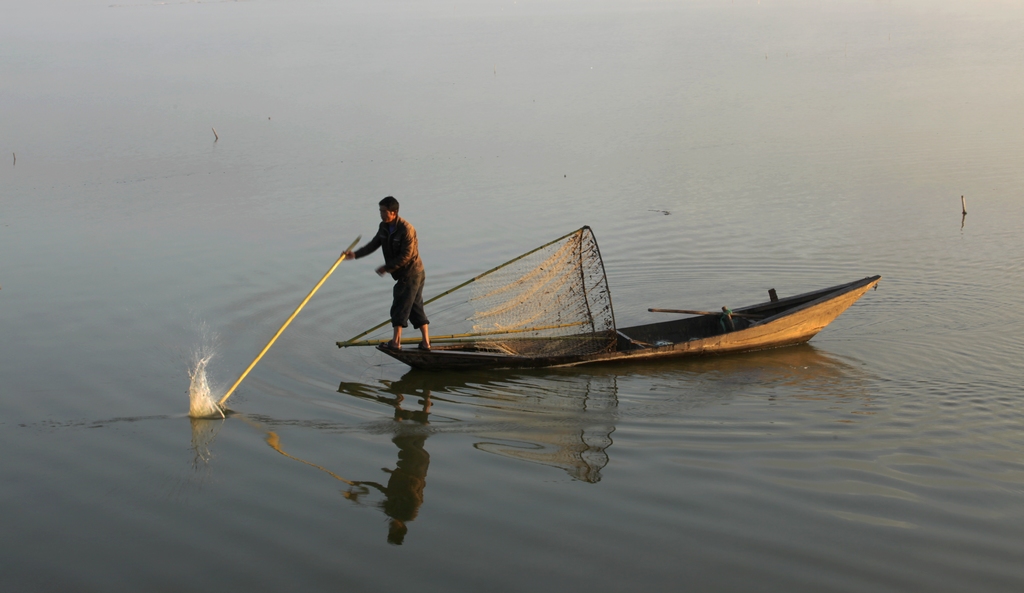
(551, 301)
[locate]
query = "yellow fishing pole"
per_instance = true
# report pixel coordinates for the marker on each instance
(289, 320)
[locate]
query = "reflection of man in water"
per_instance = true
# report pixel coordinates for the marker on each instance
(404, 493)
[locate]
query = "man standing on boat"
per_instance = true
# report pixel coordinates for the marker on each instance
(397, 239)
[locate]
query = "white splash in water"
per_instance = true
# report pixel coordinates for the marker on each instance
(201, 403)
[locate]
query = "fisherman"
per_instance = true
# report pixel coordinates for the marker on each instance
(397, 239)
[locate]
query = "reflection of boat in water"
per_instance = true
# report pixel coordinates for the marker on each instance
(565, 418)
(559, 418)
(561, 421)
(802, 365)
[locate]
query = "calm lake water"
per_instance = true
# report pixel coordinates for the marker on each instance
(717, 149)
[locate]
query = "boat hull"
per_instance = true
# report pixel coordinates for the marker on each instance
(789, 321)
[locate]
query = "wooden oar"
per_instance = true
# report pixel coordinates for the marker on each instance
(690, 312)
(289, 320)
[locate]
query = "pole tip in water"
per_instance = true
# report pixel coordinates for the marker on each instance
(217, 412)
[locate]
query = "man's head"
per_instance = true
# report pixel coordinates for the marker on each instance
(389, 209)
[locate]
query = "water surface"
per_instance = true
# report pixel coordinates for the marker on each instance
(717, 150)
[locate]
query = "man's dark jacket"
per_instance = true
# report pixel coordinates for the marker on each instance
(401, 249)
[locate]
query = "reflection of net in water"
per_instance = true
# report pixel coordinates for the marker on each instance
(582, 456)
(553, 301)
(568, 425)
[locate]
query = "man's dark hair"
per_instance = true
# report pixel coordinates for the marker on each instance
(390, 203)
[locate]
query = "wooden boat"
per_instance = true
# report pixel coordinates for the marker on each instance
(773, 324)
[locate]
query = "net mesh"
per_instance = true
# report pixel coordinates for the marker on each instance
(552, 301)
